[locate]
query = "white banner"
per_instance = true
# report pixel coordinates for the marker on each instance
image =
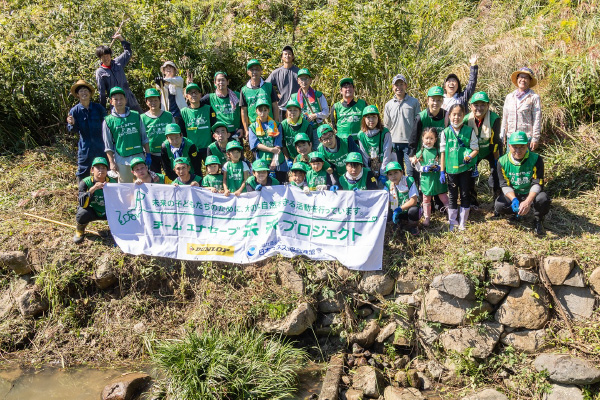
(189, 223)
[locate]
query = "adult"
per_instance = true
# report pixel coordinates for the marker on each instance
(256, 88)
(285, 79)
(155, 122)
(399, 115)
(452, 88)
(347, 113)
(312, 102)
(86, 119)
(433, 116)
(111, 73)
(170, 85)
(521, 175)
(522, 109)
(334, 149)
(225, 105)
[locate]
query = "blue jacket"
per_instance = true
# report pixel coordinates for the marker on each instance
(88, 123)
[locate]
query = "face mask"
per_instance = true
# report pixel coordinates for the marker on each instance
(457, 126)
(427, 147)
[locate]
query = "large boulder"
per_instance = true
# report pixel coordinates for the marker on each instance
(15, 261)
(367, 337)
(558, 268)
(290, 278)
(481, 339)
(505, 274)
(294, 324)
(495, 254)
(369, 380)
(126, 387)
(577, 301)
(376, 283)
(524, 307)
(563, 368)
(487, 394)
(564, 392)
(446, 309)
(30, 303)
(457, 285)
(526, 341)
(575, 278)
(595, 280)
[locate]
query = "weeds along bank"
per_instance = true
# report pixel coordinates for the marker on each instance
(49, 45)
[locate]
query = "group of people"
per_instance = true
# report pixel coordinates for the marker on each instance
(426, 159)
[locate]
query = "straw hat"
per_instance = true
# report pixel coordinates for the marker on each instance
(79, 84)
(526, 71)
(171, 63)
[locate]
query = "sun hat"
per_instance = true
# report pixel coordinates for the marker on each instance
(79, 84)
(524, 70)
(171, 63)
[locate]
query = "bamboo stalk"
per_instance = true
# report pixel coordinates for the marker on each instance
(61, 223)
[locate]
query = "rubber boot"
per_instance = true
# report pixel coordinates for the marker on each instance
(538, 226)
(79, 233)
(452, 218)
(426, 213)
(464, 216)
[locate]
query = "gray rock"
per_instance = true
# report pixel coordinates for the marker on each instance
(526, 341)
(564, 392)
(366, 338)
(578, 302)
(525, 260)
(487, 394)
(104, 275)
(15, 261)
(294, 324)
(403, 335)
(428, 333)
(369, 380)
(495, 294)
(409, 302)
(575, 278)
(126, 387)
(446, 309)
(333, 305)
(386, 332)
(364, 312)
(495, 254)
(558, 268)
(424, 382)
(290, 278)
(563, 368)
(376, 283)
(457, 285)
(406, 287)
(524, 307)
(480, 338)
(331, 319)
(595, 280)
(436, 370)
(394, 393)
(331, 382)
(505, 274)
(319, 275)
(528, 276)
(31, 304)
(7, 304)
(351, 394)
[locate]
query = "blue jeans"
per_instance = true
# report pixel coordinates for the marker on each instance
(402, 150)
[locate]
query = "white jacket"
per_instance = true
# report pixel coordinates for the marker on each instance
(173, 86)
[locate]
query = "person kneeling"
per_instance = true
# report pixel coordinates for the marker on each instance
(357, 177)
(297, 176)
(91, 197)
(184, 177)
(142, 174)
(404, 197)
(260, 177)
(521, 176)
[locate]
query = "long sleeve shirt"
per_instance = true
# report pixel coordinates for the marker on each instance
(522, 115)
(108, 78)
(109, 144)
(399, 117)
(464, 96)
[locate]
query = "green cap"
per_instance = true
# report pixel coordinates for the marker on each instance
(304, 71)
(435, 91)
(218, 125)
(299, 166)
(172, 129)
(116, 90)
(234, 144)
(343, 81)
(260, 165)
(301, 137)
(151, 93)
(220, 73)
(210, 160)
(293, 103)
(315, 156)
(393, 166)
(354, 157)
(518, 137)
(252, 63)
(323, 129)
(182, 160)
(192, 86)
(370, 110)
(99, 160)
(480, 96)
(137, 160)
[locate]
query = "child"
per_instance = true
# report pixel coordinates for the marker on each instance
(260, 178)
(404, 196)
(142, 174)
(298, 176)
(184, 177)
(254, 90)
(171, 89)
(303, 147)
(357, 177)
(91, 197)
(177, 146)
(265, 140)
(433, 115)
(375, 141)
(235, 171)
(124, 136)
(317, 177)
(312, 102)
(428, 160)
(219, 146)
(293, 125)
(213, 179)
(196, 121)
(155, 122)
(459, 147)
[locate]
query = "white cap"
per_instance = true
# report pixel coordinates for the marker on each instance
(397, 78)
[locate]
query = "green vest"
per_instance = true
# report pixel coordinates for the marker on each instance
(484, 143)
(195, 178)
(338, 159)
(197, 125)
(315, 179)
(519, 176)
(455, 153)
(185, 153)
(216, 151)
(289, 133)
(403, 197)
(213, 181)
(430, 181)
(155, 129)
(374, 142)
(268, 141)
(235, 175)
(225, 113)
(126, 133)
(96, 202)
(251, 181)
(348, 118)
(360, 184)
(316, 106)
(252, 96)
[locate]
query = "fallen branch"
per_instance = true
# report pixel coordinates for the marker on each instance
(61, 223)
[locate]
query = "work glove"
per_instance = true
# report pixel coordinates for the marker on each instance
(159, 81)
(515, 205)
(289, 164)
(272, 175)
(475, 172)
(356, 189)
(382, 179)
(467, 159)
(334, 188)
(258, 187)
(148, 160)
(442, 177)
(397, 213)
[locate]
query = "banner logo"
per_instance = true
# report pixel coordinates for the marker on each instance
(209, 250)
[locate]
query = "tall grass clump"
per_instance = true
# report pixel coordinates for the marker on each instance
(236, 364)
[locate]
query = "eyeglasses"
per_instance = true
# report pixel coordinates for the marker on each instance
(325, 138)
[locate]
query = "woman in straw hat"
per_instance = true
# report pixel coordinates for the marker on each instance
(86, 119)
(171, 89)
(522, 108)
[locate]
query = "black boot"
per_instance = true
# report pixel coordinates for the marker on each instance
(538, 226)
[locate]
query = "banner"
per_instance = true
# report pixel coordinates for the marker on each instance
(190, 223)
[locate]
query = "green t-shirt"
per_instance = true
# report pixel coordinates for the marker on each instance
(215, 150)
(348, 118)
(155, 129)
(126, 133)
(315, 179)
(290, 132)
(235, 175)
(251, 181)
(194, 178)
(338, 159)
(197, 125)
(360, 184)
